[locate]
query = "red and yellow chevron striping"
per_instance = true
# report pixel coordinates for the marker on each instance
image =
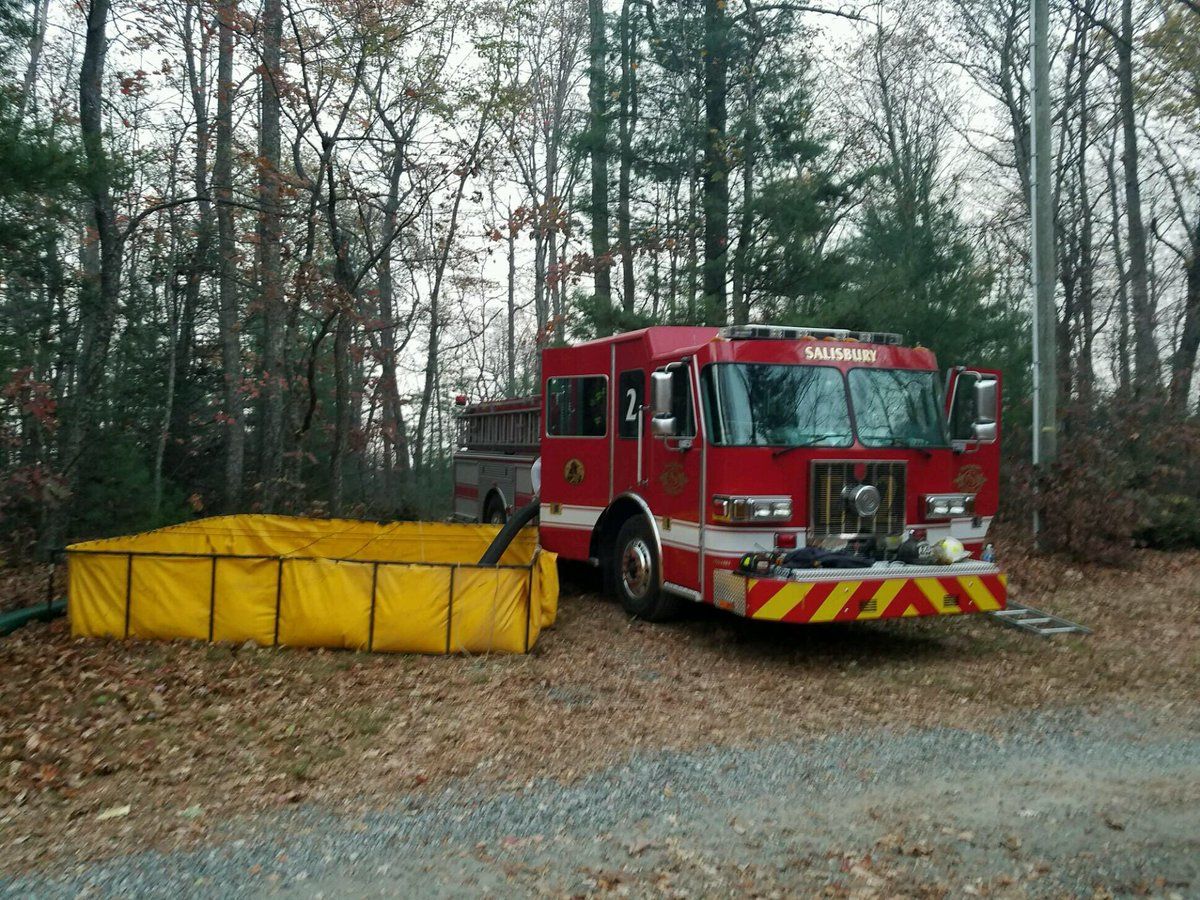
(874, 598)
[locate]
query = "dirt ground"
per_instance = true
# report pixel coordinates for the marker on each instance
(108, 748)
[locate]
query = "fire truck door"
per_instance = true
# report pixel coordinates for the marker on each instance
(673, 483)
(630, 444)
(973, 419)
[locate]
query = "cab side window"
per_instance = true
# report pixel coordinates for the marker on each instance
(963, 409)
(577, 406)
(682, 406)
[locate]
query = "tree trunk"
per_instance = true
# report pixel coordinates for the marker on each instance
(37, 40)
(1183, 366)
(598, 143)
(228, 313)
(102, 256)
(673, 234)
(98, 299)
(197, 69)
(347, 307)
(395, 445)
(344, 279)
(168, 417)
(1086, 374)
(1124, 381)
(510, 331)
(693, 253)
(558, 297)
(1145, 350)
(716, 161)
(627, 121)
(342, 415)
(741, 259)
(541, 300)
(270, 269)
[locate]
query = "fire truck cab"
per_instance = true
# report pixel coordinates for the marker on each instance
(683, 460)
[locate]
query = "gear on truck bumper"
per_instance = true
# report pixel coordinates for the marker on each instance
(887, 594)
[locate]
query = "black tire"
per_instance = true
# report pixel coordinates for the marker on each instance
(635, 572)
(493, 511)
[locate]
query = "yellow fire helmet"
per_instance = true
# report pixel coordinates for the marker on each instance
(949, 550)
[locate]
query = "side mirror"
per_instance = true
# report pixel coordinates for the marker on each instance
(660, 394)
(662, 426)
(984, 426)
(973, 409)
(985, 432)
(661, 389)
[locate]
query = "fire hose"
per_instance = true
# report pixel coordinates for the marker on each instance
(500, 542)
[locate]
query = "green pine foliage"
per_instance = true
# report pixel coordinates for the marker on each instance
(915, 271)
(38, 168)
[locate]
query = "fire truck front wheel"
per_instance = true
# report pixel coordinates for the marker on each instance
(635, 572)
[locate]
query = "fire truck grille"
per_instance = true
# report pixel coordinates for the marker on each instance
(831, 515)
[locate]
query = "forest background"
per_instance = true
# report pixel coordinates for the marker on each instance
(250, 250)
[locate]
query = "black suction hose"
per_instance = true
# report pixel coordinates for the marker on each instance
(499, 544)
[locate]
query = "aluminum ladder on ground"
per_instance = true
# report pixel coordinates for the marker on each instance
(1029, 619)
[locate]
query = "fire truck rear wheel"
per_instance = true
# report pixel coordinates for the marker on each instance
(493, 513)
(635, 571)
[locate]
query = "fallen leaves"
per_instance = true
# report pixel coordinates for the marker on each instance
(1114, 823)
(164, 727)
(638, 847)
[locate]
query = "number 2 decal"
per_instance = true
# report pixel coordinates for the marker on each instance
(632, 411)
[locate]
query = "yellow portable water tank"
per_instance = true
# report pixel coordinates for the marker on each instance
(406, 587)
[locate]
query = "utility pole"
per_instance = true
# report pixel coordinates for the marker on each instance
(1045, 314)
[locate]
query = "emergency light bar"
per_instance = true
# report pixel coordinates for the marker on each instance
(794, 333)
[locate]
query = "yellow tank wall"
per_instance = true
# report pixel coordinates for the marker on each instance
(258, 535)
(404, 587)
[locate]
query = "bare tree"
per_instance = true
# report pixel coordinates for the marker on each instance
(270, 268)
(598, 153)
(228, 305)
(98, 298)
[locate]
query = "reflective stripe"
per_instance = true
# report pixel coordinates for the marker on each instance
(787, 599)
(570, 516)
(872, 598)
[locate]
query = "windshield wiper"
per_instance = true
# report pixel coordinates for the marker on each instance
(912, 443)
(812, 442)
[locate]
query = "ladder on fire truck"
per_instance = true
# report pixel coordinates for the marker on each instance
(1040, 623)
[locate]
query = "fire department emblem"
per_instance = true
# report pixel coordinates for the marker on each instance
(673, 479)
(573, 471)
(970, 479)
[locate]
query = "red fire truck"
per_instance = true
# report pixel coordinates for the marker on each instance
(696, 464)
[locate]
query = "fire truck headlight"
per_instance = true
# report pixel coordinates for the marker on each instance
(946, 506)
(751, 509)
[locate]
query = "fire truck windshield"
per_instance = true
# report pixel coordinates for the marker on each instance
(897, 408)
(752, 404)
(758, 404)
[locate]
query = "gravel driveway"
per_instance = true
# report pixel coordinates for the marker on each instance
(1092, 804)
